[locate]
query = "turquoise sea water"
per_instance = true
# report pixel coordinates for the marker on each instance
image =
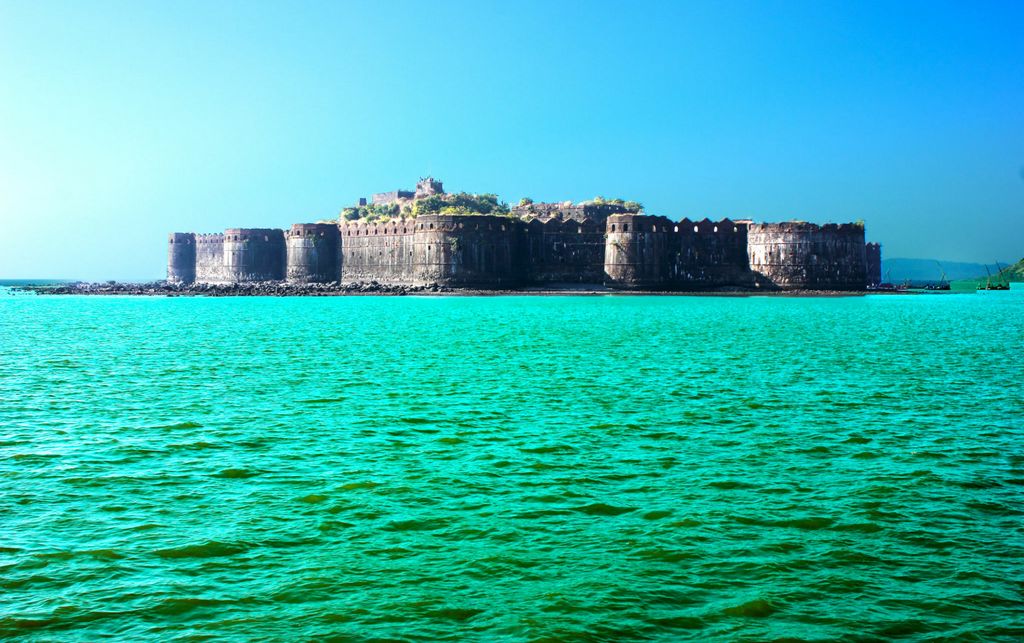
(512, 468)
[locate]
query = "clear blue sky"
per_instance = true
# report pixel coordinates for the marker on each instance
(121, 122)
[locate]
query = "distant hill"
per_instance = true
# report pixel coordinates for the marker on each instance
(927, 270)
(1013, 272)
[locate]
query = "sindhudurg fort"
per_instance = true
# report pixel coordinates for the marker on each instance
(428, 237)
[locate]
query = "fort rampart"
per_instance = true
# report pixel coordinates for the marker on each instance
(629, 251)
(181, 258)
(254, 254)
(654, 253)
(312, 253)
(594, 242)
(799, 255)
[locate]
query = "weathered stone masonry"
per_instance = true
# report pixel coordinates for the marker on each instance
(797, 255)
(540, 244)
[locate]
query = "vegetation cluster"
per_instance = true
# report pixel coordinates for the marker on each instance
(628, 206)
(455, 203)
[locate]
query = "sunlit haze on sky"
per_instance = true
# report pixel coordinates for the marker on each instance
(121, 122)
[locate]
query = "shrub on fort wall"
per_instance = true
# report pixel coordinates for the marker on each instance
(629, 206)
(371, 212)
(460, 203)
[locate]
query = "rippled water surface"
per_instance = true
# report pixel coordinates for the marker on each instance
(512, 468)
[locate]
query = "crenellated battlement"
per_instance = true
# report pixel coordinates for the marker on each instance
(312, 253)
(181, 258)
(595, 242)
(800, 255)
(254, 254)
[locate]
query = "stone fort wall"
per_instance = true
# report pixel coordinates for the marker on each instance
(210, 259)
(254, 254)
(648, 252)
(627, 251)
(181, 258)
(563, 251)
(312, 253)
(381, 252)
(799, 255)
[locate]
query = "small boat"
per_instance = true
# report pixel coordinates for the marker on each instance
(943, 282)
(999, 284)
(885, 286)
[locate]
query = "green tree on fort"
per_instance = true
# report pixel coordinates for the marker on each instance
(460, 203)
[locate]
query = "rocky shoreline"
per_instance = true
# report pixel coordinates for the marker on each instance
(285, 289)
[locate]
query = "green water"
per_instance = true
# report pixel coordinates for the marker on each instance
(512, 468)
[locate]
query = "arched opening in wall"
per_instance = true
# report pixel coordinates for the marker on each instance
(695, 228)
(431, 226)
(675, 229)
(613, 227)
(736, 229)
(266, 238)
(625, 227)
(716, 229)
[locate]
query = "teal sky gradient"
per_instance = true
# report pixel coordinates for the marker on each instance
(121, 122)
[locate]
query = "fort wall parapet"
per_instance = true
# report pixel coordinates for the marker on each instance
(254, 254)
(563, 250)
(312, 253)
(651, 252)
(467, 250)
(181, 258)
(378, 251)
(800, 255)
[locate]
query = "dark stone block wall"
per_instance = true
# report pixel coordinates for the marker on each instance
(254, 254)
(655, 253)
(637, 252)
(181, 258)
(210, 259)
(873, 257)
(467, 250)
(450, 250)
(709, 254)
(799, 255)
(563, 251)
(381, 252)
(312, 253)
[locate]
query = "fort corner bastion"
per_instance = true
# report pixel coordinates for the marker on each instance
(426, 237)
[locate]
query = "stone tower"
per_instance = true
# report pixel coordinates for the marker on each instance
(427, 187)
